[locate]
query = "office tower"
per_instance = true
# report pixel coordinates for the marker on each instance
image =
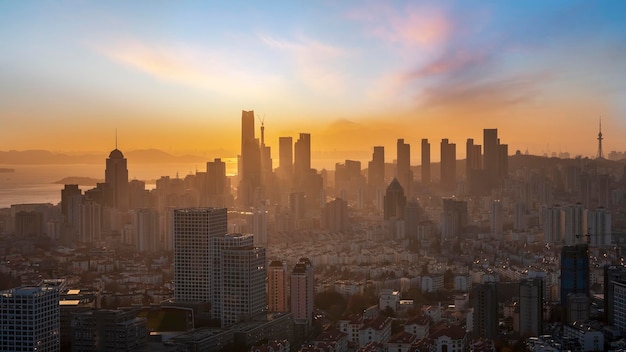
(335, 216)
(116, 179)
(425, 161)
(454, 218)
(277, 287)
(193, 229)
(376, 173)
(216, 270)
(249, 191)
(138, 196)
(285, 159)
(395, 201)
(66, 193)
(403, 166)
(473, 157)
(491, 156)
(30, 319)
(600, 233)
(503, 161)
(574, 224)
(552, 224)
(615, 283)
(147, 226)
(302, 157)
(256, 221)
(411, 219)
(243, 287)
(497, 218)
(574, 272)
(302, 291)
(448, 164)
(485, 302)
(531, 307)
(106, 330)
(349, 182)
(297, 205)
(217, 184)
(90, 222)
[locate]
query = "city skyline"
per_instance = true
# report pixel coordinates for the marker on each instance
(353, 75)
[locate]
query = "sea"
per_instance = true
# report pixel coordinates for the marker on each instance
(36, 183)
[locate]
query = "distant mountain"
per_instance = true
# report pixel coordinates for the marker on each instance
(45, 157)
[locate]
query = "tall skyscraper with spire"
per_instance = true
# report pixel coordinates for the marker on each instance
(600, 154)
(116, 179)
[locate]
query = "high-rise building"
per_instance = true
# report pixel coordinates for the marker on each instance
(116, 179)
(411, 219)
(403, 166)
(552, 224)
(376, 173)
(485, 302)
(30, 319)
(29, 223)
(574, 224)
(497, 218)
(249, 191)
(531, 307)
(599, 222)
(448, 164)
(217, 184)
(147, 226)
(574, 272)
(425, 161)
(90, 222)
(520, 221)
(302, 157)
(243, 285)
(256, 222)
(349, 183)
(473, 157)
(615, 296)
(277, 287)
(192, 230)
(217, 275)
(285, 159)
(495, 159)
(302, 291)
(395, 201)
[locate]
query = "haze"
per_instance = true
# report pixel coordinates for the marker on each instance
(176, 76)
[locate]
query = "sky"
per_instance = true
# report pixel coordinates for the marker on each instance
(175, 75)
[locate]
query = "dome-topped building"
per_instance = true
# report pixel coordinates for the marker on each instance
(116, 179)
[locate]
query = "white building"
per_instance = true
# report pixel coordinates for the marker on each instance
(30, 319)
(375, 330)
(589, 338)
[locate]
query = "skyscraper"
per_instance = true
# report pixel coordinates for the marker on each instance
(302, 291)
(531, 307)
(485, 302)
(574, 272)
(193, 229)
(425, 161)
(376, 174)
(495, 159)
(403, 166)
(615, 279)
(116, 179)
(249, 190)
(285, 159)
(302, 157)
(600, 233)
(395, 201)
(335, 216)
(147, 225)
(277, 287)
(497, 218)
(448, 164)
(217, 184)
(30, 319)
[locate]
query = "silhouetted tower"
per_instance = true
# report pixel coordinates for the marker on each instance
(250, 173)
(376, 172)
(116, 178)
(285, 158)
(425, 161)
(395, 201)
(403, 165)
(448, 164)
(600, 154)
(302, 156)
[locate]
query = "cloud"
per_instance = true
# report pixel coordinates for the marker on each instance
(317, 64)
(189, 65)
